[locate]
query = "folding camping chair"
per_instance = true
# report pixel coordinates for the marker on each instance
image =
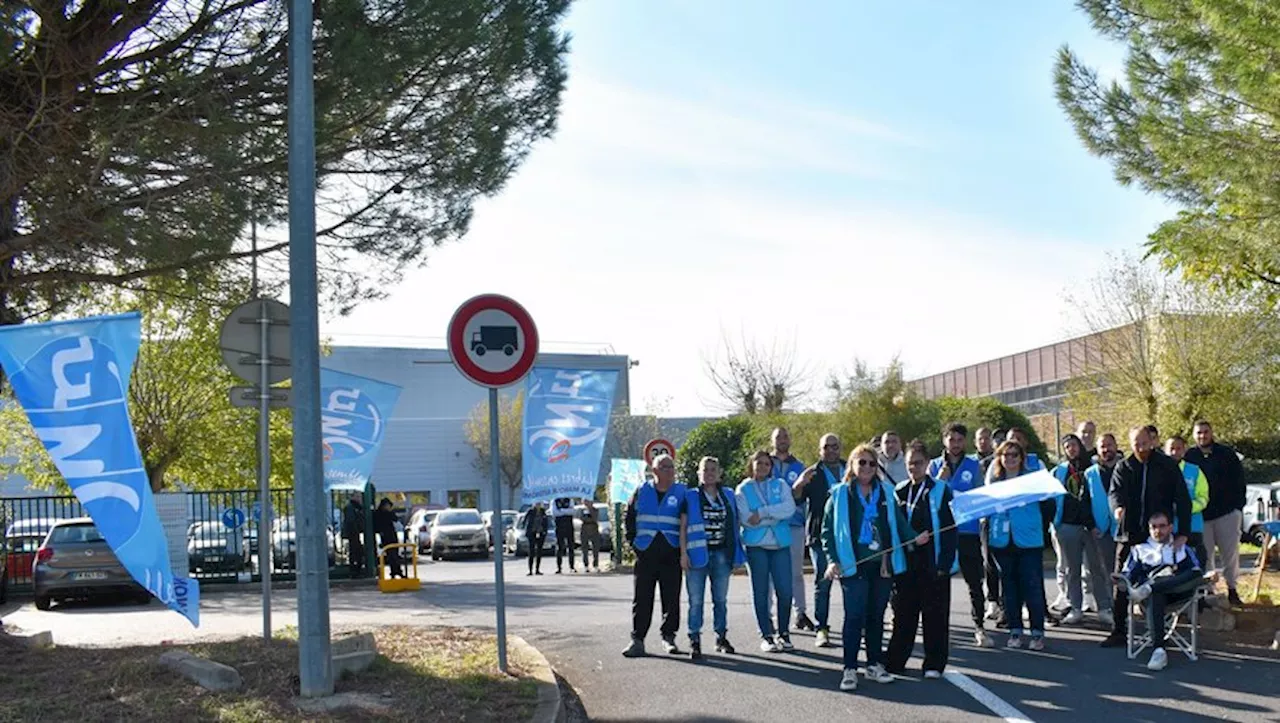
(1181, 622)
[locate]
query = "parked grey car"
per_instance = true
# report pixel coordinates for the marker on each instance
(75, 562)
(517, 544)
(458, 532)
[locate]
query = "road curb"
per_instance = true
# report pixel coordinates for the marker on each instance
(549, 708)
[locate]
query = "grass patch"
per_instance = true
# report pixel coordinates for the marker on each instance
(427, 674)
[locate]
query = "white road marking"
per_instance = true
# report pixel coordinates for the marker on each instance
(992, 701)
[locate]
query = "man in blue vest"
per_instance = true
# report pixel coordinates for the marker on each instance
(963, 474)
(656, 513)
(788, 469)
(811, 490)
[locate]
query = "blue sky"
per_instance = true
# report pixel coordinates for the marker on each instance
(866, 179)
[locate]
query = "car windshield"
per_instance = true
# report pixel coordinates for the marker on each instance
(208, 531)
(459, 517)
(70, 534)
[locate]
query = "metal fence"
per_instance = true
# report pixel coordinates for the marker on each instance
(221, 535)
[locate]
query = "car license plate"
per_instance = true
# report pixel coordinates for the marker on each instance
(213, 558)
(91, 576)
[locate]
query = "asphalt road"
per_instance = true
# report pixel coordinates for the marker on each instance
(581, 622)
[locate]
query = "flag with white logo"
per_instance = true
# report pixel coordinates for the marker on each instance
(566, 420)
(72, 379)
(353, 420)
(1005, 495)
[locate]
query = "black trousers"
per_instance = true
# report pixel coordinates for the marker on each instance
(920, 596)
(992, 570)
(564, 542)
(535, 551)
(1120, 609)
(1166, 590)
(355, 554)
(662, 570)
(972, 568)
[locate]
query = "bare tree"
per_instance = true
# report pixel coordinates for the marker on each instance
(753, 377)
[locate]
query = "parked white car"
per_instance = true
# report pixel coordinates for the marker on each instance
(1262, 504)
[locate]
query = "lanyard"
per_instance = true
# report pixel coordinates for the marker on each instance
(912, 501)
(832, 481)
(869, 510)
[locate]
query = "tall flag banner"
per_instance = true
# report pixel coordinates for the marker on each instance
(72, 379)
(353, 422)
(994, 498)
(625, 475)
(566, 420)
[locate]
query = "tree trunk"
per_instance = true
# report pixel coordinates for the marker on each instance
(155, 474)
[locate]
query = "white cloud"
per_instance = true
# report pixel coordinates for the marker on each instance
(643, 225)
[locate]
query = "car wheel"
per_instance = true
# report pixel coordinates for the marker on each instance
(43, 602)
(1257, 536)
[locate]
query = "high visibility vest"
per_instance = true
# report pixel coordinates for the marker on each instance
(845, 551)
(773, 489)
(654, 517)
(698, 555)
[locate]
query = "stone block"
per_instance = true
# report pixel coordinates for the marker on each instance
(205, 673)
(356, 643)
(352, 663)
(32, 639)
(1217, 621)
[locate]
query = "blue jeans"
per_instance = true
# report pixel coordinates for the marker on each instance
(719, 569)
(1022, 576)
(866, 595)
(772, 565)
(821, 586)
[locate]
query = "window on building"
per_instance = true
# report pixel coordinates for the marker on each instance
(464, 498)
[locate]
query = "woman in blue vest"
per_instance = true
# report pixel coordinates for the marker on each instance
(865, 536)
(713, 548)
(765, 507)
(924, 590)
(1017, 540)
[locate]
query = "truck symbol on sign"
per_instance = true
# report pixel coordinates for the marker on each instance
(492, 338)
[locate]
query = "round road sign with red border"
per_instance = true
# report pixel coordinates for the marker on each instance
(658, 446)
(492, 340)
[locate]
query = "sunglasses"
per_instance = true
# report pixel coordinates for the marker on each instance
(866, 463)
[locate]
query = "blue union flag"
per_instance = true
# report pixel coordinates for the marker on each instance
(72, 380)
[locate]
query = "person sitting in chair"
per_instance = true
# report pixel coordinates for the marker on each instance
(1159, 572)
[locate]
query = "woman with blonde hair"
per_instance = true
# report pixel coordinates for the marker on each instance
(867, 538)
(1016, 538)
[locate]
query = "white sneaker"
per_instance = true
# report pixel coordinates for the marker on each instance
(1090, 607)
(993, 611)
(850, 679)
(932, 675)
(1014, 642)
(1141, 592)
(877, 673)
(1106, 618)
(768, 646)
(1159, 659)
(1061, 603)
(1037, 643)
(1075, 617)
(982, 640)
(822, 639)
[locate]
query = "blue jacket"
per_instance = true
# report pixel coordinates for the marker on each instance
(789, 471)
(967, 476)
(1022, 527)
(837, 534)
(653, 518)
(700, 559)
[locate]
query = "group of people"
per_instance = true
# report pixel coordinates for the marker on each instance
(538, 524)
(879, 523)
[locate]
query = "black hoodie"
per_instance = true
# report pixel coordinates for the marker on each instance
(1144, 488)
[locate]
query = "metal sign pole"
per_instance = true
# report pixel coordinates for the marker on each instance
(264, 465)
(495, 469)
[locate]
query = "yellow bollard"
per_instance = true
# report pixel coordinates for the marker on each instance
(386, 584)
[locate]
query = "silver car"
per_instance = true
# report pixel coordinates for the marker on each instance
(75, 562)
(459, 532)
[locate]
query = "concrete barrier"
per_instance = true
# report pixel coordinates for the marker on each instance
(205, 673)
(549, 707)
